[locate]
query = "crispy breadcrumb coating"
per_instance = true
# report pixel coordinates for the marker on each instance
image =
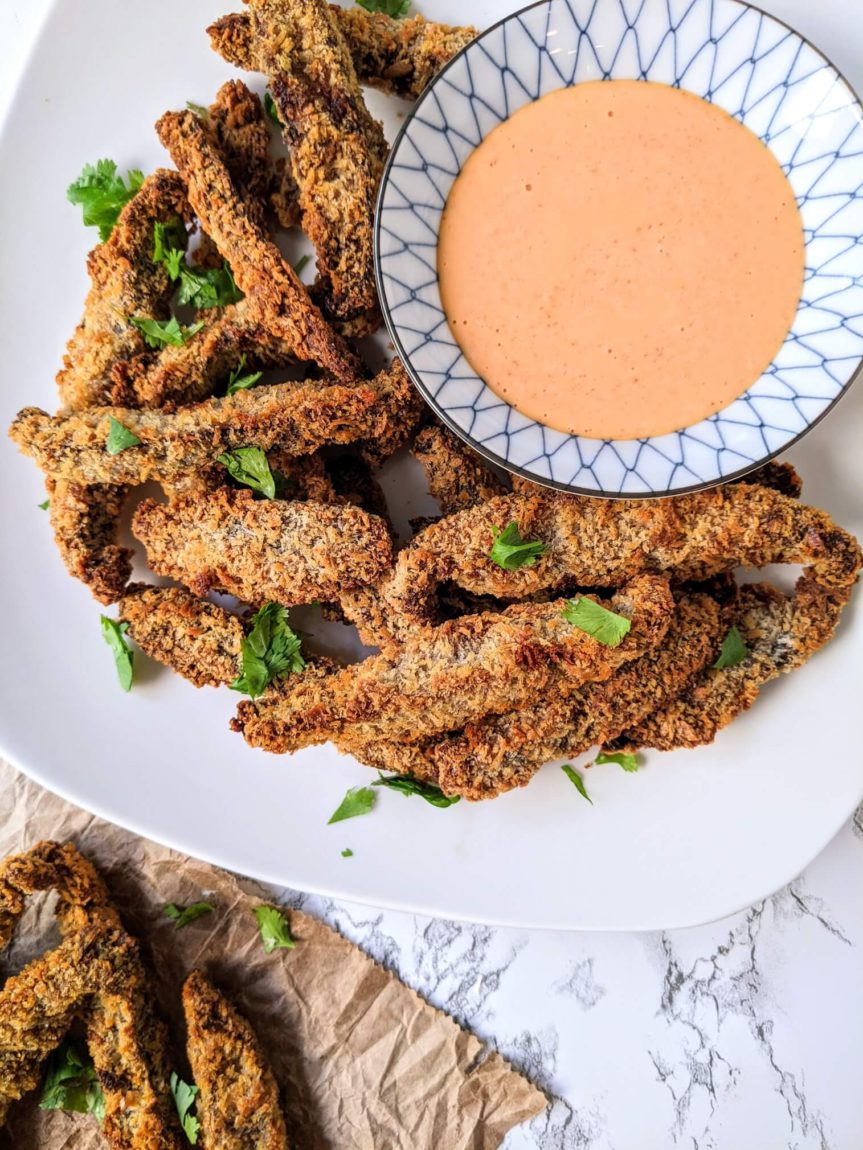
(397, 56)
(263, 550)
(781, 632)
(84, 521)
(597, 542)
(457, 477)
(238, 1104)
(469, 667)
(495, 754)
(297, 417)
(335, 149)
(238, 126)
(197, 639)
(270, 284)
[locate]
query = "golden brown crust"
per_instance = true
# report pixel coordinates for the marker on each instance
(457, 477)
(263, 550)
(125, 281)
(470, 667)
(270, 284)
(781, 633)
(596, 542)
(238, 1104)
(336, 150)
(397, 56)
(495, 754)
(238, 126)
(197, 639)
(84, 521)
(297, 417)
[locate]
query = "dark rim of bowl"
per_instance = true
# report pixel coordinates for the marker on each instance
(492, 456)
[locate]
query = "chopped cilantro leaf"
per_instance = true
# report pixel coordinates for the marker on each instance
(119, 438)
(734, 650)
(184, 1100)
(628, 762)
(510, 551)
(347, 853)
(577, 781)
(239, 382)
(249, 466)
(269, 651)
(71, 1083)
(410, 786)
(44, 506)
(198, 109)
(201, 288)
(274, 928)
(271, 109)
(112, 633)
(162, 332)
(394, 8)
(102, 194)
(301, 263)
(595, 620)
(357, 801)
(183, 915)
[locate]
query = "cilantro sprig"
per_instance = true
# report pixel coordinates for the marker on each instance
(184, 1099)
(605, 626)
(275, 929)
(183, 915)
(102, 194)
(627, 761)
(357, 801)
(160, 333)
(270, 651)
(510, 551)
(733, 651)
(577, 781)
(201, 288)
(71, 1083)
(249, 466)
(113, 634)
(407, 785)
(119, 438)
(237, 381)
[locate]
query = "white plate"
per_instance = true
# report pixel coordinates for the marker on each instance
(691, 837)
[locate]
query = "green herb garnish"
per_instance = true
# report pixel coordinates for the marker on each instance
(274, 928)
(270, 651)
(301, 263)
(597, 621)
(44, 506)
(71, 1083)
(577, 781)
(271, 109)
(102, 194)
(183, 915)
(510, 551)
(239, 382)
(734, 650)
(410, 786)
(112, 633)
(249, 466)
(184, 1100)
(200, 288)
(357, 801)
(164, 332)
(628, 762)
(119, 438)
(394, 8)
(198, 109)
(347, 853)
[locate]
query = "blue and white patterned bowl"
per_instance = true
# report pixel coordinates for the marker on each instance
(758, 70)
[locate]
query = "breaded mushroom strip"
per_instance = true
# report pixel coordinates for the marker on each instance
(335, 149)
(238, 1105)
(781, 632)
(263, 550)
(397, 56)
(38, 1005)
(83, 898)
(457, 477)
(197, 639)
(238, 125)
(603, 543)
(125, 282)
(130, 1048)
(84, 520)
(268, 281)
(297, 417)
(469, 667)
(495, 754)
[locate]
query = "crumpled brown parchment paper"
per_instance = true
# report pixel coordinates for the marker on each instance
(363, 1061)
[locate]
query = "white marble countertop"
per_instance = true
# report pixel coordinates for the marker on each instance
(743, 1035)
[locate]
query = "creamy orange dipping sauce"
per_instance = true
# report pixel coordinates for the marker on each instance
(620, 259)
